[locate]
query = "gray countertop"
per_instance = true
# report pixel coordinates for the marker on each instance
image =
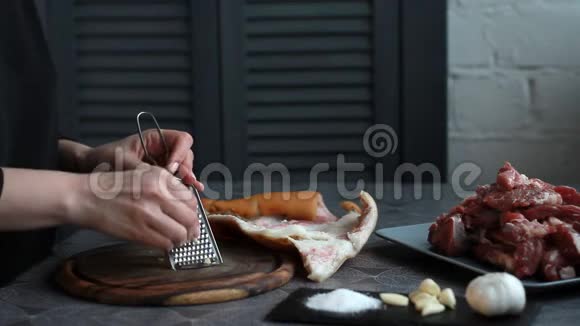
(381, 266)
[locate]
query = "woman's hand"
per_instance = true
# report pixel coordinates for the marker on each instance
(128, 153)
(147, 205)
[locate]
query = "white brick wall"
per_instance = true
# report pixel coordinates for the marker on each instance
(514, 86)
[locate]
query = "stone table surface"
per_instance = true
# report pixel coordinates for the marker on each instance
(32, 299)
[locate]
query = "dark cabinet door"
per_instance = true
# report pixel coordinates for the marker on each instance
(117, 58)
(304, 80)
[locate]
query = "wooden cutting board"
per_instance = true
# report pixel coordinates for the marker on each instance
(134, 275)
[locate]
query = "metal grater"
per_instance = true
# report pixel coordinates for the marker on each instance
(202, 252)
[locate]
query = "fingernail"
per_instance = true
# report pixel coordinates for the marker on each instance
(173, 167)
(194, 233)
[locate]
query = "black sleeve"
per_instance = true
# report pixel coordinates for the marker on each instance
(1, 181)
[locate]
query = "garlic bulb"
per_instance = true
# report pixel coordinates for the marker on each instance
(496, 294)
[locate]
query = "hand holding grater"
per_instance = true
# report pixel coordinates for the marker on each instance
(201, 252)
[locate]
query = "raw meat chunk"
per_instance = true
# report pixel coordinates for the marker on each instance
(567, 241)
(508, 178)
(569, 195)
(524, 196)
(569, 212)
(448, 235)
(520, 230)
(522, 260)
(556, 267)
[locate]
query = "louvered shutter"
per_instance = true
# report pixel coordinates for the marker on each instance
(309, 89)
(117, 58)
(132, 56)
(288, 81)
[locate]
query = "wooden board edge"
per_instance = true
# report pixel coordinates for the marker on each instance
(69, 281)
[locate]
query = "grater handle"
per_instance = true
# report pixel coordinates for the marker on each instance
(141, 138)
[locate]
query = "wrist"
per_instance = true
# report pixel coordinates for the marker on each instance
(75, 196)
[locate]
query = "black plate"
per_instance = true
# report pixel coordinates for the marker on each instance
(293, 309)
(415, 237)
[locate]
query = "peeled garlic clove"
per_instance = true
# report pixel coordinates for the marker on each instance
(429, 286)
(414, 294)
(432, 308)
(447, 298)
(394, 299)
(421, 304)
(421, 296)
(496, 294)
